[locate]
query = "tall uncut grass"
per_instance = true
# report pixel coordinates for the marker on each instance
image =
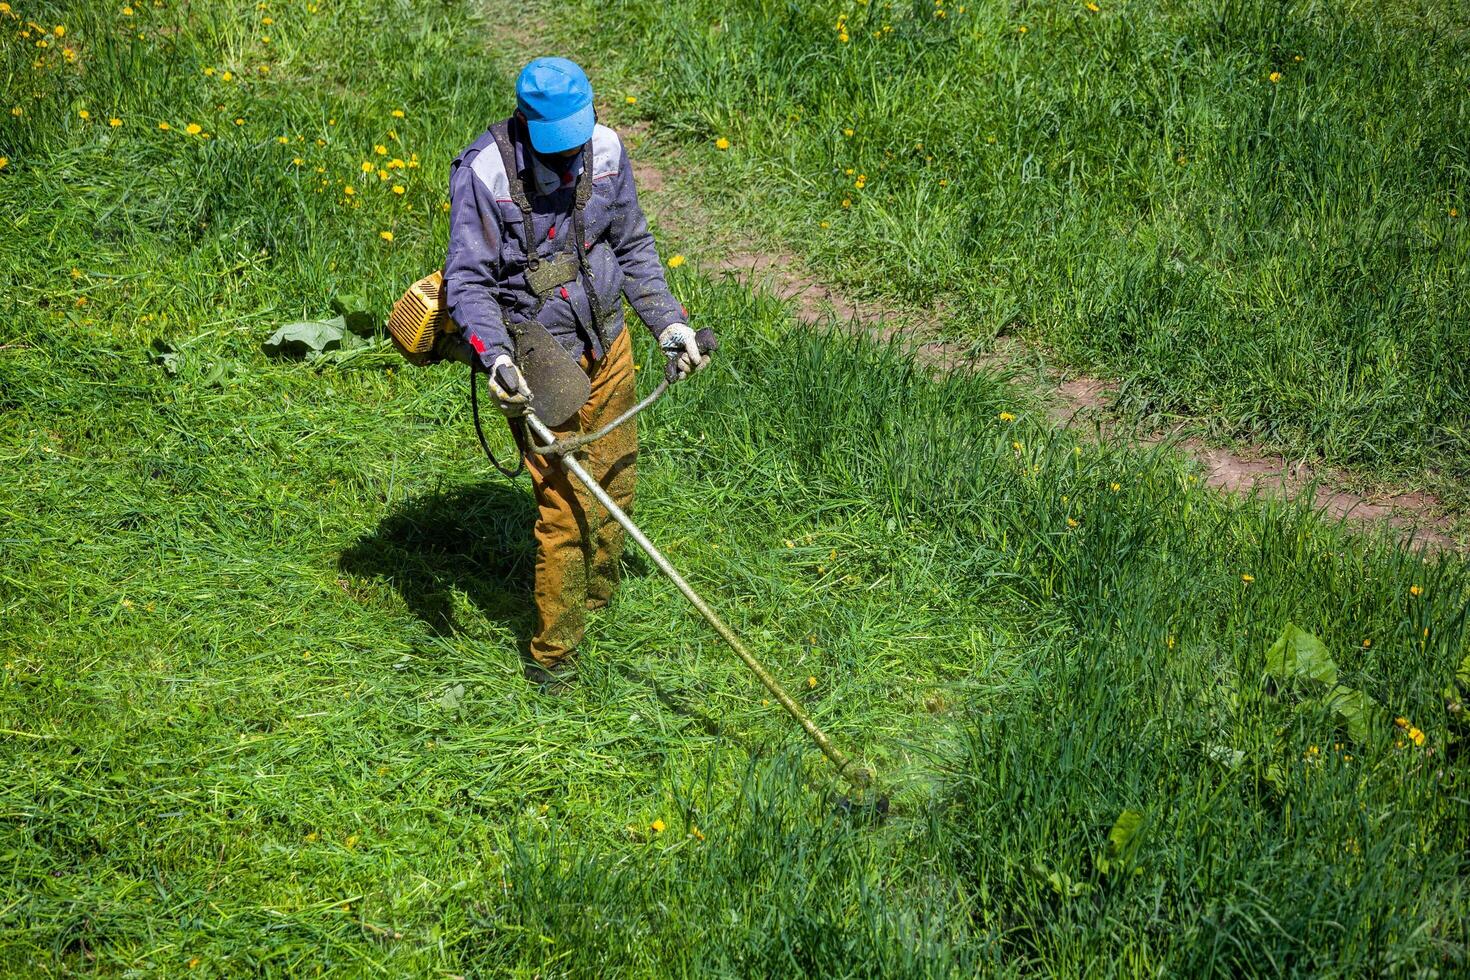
(260, 702)
(1251, 212)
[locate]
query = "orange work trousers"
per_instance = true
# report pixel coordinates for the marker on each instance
(578, 545)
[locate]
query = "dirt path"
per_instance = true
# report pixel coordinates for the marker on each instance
(1075, 401)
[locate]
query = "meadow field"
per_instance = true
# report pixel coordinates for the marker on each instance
(261, 710)
(1251, 214)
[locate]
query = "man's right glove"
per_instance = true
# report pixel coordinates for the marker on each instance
(508, 387)
(681, 347)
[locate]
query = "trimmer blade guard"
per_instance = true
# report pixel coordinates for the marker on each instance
(559, 386)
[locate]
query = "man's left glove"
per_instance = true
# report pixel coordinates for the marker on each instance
(681, 347)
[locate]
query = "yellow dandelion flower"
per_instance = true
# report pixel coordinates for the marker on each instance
(4, 162)
(811, 682)
(265, 39)
(59, 30)
(349, 190)
(1016, 447)
(722, 144)
(351, 841)
(1071, 522)
(1093, 7)
(312, 837)
(267, 21)
(1115, 487)
(227, 76)
(657, 826)
(847, 202)
(193, 962)
(1415, 591)
(398, 188)
(4, 8)
(1169, 643)
(1416, 736)
(193, 129)
(847, 132)
(239, 121)
(386, 236)
(84, 114)
(1021, 29)
(1454, 212)
(695, 832)
(395, 164)
(283, 140)
(1247, 578)
(824, 224)
(1275, 77)
(676, 261)
(843, 37)
(127, 11)
(1007, 417)
(631, 100)
(382, 175)
(380, 150)
(297, 161)
(209, 71)
(114, 122)
(164, 126)
(367, 167)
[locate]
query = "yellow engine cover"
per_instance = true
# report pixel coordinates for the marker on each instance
(419, 319)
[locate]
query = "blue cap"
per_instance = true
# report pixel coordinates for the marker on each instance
(556, 99)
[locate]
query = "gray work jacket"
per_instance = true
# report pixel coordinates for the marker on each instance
(484, 272)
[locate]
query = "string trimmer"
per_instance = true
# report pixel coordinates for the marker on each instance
(556, 388)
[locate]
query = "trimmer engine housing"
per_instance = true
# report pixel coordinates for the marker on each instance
(419, 319)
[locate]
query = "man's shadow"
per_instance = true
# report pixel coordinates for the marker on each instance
(475, 540)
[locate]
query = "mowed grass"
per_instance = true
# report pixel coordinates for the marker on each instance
(260, 705)
(1251, 214)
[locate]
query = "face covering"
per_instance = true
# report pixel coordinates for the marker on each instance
(550, 171)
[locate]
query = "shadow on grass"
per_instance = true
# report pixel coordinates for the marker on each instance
(474, 540)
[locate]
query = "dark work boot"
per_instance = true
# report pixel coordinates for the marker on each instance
(555, 680)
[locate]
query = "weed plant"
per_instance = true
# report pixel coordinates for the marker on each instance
(260, 702)
(1252, 213)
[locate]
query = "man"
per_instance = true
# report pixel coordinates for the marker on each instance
(545, 226)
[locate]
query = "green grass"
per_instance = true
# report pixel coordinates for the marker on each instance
(260, 705)
(1128, 189)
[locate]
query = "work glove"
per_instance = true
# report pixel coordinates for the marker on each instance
(682, 348)
(509, 388)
